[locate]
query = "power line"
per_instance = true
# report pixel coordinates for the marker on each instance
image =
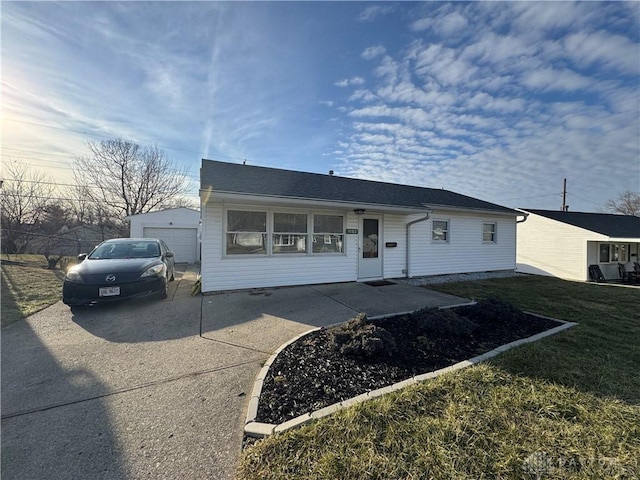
(34, 151)
(191, 176)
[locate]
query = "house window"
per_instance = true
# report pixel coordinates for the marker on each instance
(619, 253)
(614, 252)
(328, 234)
(440, 230)
(289, 233)
(489, 232)
(246, 232)
(604, 253)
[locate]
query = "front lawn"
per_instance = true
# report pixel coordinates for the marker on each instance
(564, 407)
(28, 286)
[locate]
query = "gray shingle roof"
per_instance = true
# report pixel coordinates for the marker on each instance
(226, 177)
(616, 226)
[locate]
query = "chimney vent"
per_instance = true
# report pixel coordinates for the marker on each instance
(331, 172)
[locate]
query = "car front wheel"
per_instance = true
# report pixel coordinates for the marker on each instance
(164, 293)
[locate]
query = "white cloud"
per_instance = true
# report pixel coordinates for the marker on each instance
(452, 23)
(422, 24)
(475, 115)
(444, 64)
(355, 81)
(555, 79)
(374, 11)
(372, 52)
(539, 17)
(612, 51)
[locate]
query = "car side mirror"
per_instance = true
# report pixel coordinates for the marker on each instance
(168, 255)
(81, 257)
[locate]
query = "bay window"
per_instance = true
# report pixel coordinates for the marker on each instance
(272, 233)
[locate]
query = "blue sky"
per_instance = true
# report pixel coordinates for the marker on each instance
(499, 101)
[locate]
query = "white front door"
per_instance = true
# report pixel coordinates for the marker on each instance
(370, 253)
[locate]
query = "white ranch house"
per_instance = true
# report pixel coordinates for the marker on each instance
(564, 244)
(178, 227)
(266, 227)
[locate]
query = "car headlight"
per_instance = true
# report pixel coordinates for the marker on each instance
(155, 270)
(74, 276)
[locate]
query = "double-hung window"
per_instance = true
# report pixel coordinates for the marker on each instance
(328, 233)
(489, 232)
(440, 231)
(246, 232)
(289, 233)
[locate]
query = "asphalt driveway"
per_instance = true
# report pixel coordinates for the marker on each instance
(157, 389)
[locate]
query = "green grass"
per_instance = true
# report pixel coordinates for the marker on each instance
(566, 407)
(28, 286)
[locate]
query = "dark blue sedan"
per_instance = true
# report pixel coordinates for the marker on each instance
(118, 269)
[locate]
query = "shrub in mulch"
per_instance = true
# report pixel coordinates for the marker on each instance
(362, 338)
(442, 322)
(492, 311)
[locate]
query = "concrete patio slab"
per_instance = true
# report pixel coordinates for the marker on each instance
(263, 319)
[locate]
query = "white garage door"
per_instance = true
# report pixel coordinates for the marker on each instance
(183, 241)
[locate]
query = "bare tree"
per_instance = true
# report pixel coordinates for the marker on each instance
(78, 205)
(627, 203)
(121, 178)
(24, 196)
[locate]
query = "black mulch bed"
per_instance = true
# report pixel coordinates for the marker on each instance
(331, 365)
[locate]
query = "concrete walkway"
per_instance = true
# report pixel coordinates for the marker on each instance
(157, 389)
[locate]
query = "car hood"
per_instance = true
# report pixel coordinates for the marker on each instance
(127, 269)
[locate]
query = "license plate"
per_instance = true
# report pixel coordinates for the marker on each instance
(109, 291)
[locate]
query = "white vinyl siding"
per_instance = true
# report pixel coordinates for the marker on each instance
(394, 258)
(221, 272)
(464, 250)
(549, 247)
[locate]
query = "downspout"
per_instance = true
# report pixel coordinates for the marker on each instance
(525, 215)
(408, 256)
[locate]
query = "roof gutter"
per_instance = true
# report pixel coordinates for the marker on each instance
(525, 216)
(253, 199)
(429, 211)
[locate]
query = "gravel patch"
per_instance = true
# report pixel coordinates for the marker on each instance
(459, 277)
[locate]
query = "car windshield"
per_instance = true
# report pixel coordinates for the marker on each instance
(126, 250)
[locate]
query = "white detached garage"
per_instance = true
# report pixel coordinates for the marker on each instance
(178, 227)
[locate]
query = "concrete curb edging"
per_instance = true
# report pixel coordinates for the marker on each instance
(259, 430)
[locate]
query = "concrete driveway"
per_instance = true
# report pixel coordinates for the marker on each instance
(157, 389)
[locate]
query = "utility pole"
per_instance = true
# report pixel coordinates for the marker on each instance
(564, 195)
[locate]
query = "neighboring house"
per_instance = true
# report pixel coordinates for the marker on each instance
(71, 241)
(178, 227)
(265, 227)
(564, 244)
